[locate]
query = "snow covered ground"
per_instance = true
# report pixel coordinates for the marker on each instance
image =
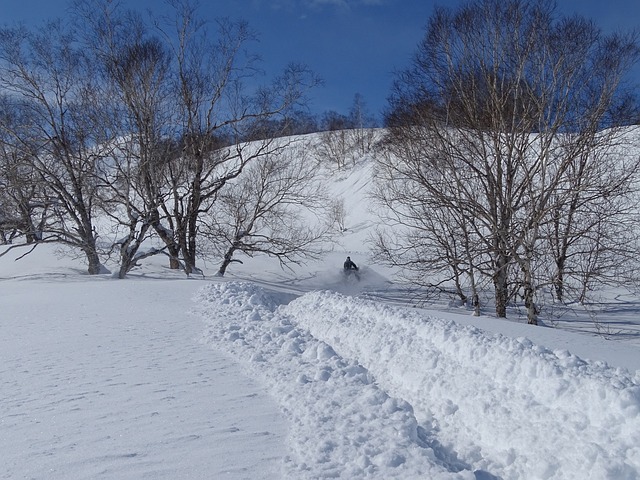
(108, 379)
(301, 375)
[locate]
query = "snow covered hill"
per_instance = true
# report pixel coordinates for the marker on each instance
(301, 374)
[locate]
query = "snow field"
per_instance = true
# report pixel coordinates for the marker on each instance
(106, 379)
(390, 392)
(110, 379)
(341, 424)
(506, 406)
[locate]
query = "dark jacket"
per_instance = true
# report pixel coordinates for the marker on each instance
(349, 265)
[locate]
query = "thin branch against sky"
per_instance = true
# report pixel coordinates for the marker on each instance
(355, 45)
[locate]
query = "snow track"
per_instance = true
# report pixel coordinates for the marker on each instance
(341, 424)
(388, 392)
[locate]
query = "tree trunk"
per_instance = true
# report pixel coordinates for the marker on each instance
(529, 298)
(174, 263)
(124, 269)
(167, 237)
(475, 297)
(558, 285)
(558, 281)
(500, 286)
(502, 295)
(228, 258)
(126, 258)
(532, 310)
(188, 240)
(456, 278)
(93, 260)
(475, 302)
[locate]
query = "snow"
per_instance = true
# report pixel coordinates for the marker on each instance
(108, 379)
(302, 374)
(373, 390)
(505, 404)
(341, 423)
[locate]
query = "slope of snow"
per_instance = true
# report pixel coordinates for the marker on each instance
(341, 423)
(301, 374)
(506, 405)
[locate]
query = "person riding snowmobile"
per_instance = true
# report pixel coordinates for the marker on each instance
(350, 267)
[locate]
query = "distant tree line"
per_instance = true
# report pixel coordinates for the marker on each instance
(505, 163)
(302, 122)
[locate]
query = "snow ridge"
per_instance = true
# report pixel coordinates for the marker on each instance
(341, 424)
(506, 406)
(391, 392)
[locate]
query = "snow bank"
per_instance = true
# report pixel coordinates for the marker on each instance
(374, 391)
(506, 406)
(341, 424)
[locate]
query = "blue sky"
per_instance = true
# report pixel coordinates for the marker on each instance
(354, 45)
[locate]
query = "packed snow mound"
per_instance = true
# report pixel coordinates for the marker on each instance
(505, 406)
(341, 424)
(390, 392)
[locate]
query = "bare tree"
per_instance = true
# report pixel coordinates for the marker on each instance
(363, 124)
(336, 145)
(346, 138)
(135, 111)
(269, 209)
(216, 109)
(23, 202)
(591, 230)
(46, 73)
(427, 228)
(140, 76)
(338, 214)
(481, 121)
(179, 116)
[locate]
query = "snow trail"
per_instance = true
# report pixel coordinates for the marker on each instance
(377, 391)
(341, 424)
(506, 405)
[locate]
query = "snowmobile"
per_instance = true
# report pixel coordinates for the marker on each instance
(350, 269)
